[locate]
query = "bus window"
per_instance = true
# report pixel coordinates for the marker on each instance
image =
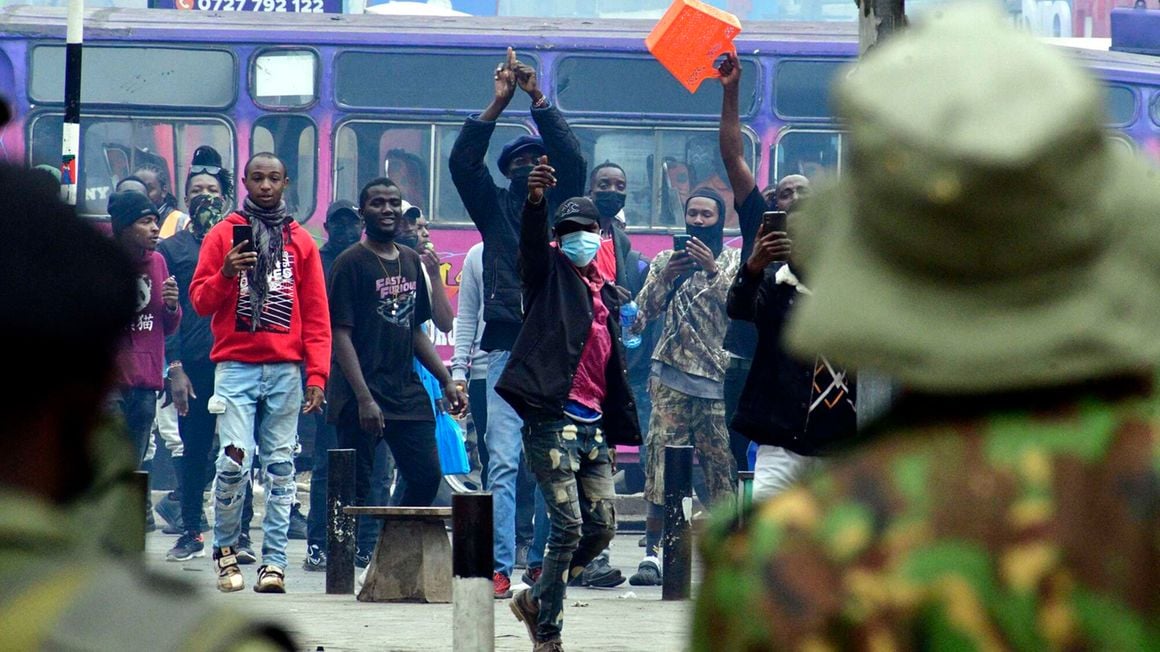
(801, 89)
(663, 167)
(284, 78)
(1156, 108)
(294, 139)
(1121, 105)
(138, 76)
(813, 154)
(115, 147)
(448, 206)
(365, 150)
(417, 80)
(629, 85)
(1118, 140)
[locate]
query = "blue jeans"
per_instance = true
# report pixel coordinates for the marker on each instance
(240, 389)
(503, 449)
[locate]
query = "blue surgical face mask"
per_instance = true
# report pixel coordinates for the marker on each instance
(580, 247)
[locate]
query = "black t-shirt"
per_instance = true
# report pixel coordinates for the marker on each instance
(741, 336)
(382, 302)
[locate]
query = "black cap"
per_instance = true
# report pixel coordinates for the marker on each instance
(579, 210)
(126, 207)
(341, 206)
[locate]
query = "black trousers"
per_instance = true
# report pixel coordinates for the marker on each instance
(416, 457)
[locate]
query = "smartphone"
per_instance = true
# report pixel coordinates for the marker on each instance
(242, 233)
(773, 221)
(680, 240)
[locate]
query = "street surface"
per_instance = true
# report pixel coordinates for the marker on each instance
(626, 618)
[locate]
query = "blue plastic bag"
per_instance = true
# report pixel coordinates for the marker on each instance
(448, 434)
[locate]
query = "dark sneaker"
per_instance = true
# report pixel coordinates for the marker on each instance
(229, 575)
(532, 575)
(188, 546)
(297, 524)
(521, 557)
(643, 542)
(271, 579)
(553, 645)
(527, 611)
(245, 550)
(601, 575)
(503, 586)
(169, 509)
(150, 524)
(315, 559)
(648, 573)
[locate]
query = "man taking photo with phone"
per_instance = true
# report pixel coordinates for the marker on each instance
(688, 290)
(267, 298)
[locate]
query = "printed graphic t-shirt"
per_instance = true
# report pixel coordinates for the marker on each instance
(382, 302)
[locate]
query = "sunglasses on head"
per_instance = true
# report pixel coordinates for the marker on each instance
(204, 169)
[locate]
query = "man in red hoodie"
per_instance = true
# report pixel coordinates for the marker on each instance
(267, 299)
(134, 220)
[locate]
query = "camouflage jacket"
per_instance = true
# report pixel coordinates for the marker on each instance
(693, 338)
(1008, 529)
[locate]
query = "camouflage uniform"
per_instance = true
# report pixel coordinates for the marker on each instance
(1011, 529)
(692, 342)
(682, 420)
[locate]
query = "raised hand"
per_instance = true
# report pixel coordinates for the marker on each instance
(543, 176)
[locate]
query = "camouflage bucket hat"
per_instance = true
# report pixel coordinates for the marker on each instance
(985, 235)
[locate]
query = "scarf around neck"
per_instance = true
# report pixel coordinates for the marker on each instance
(271, 228)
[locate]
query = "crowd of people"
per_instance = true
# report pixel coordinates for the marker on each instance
(997, 265)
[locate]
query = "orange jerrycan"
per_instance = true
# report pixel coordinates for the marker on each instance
(690, 37)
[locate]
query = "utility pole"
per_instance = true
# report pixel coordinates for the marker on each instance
(71, 136)
(877, 20)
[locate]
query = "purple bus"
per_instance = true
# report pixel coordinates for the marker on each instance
(343, 98)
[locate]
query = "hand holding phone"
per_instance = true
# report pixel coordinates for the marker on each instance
(772, 221)
(244, 233)
(244, 258)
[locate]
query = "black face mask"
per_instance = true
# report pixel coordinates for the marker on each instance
(609, 202)
(411, 241)
(519, 177)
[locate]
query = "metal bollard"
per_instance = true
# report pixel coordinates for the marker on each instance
(678, 541)
(141, 503)
(472, 562)
(744, 495)
(340, 529)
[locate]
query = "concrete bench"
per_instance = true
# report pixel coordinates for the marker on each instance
(412, 560)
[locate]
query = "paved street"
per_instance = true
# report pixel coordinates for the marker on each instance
(625, 618)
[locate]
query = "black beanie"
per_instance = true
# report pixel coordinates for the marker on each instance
(126, 207)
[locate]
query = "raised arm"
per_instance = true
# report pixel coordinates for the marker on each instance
(469, 171)
(729, 133)
(535, 249)
(561, 144)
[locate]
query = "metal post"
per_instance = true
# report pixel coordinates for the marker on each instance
(71, 135)
(678, 541)
(141, 503)
(340, 528)
(472, 591)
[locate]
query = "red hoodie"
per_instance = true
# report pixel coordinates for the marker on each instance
(296, 322)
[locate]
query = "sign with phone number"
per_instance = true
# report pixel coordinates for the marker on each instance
(259, 6)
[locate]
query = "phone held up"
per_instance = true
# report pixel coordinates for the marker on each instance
(244, 233)
(773, 221)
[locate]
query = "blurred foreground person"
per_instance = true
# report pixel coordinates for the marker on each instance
(71, 291)
(1011, 499)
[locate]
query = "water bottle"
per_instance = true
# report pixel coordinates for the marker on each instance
(628, 314)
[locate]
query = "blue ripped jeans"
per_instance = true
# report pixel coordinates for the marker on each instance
(574, 473)
(239, 390)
